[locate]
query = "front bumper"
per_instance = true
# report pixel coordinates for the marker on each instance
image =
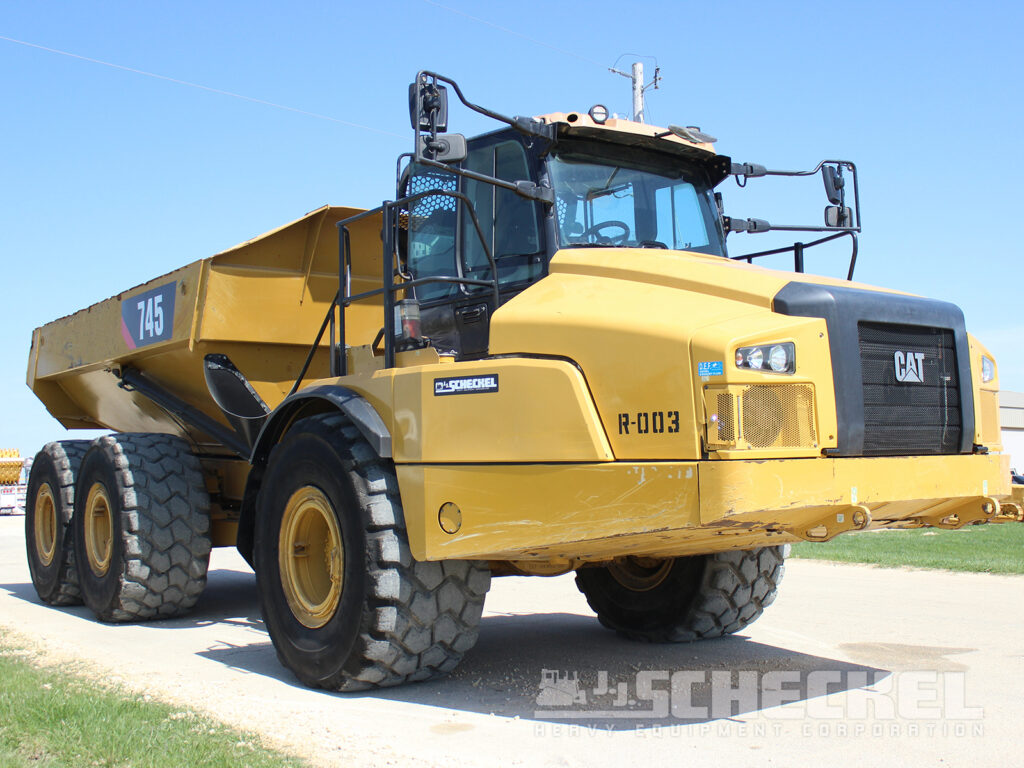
(593, 512)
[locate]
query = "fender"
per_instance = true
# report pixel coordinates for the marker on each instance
(318, 399)
(349, 402)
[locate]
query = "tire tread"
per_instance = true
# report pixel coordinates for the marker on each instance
(419, 617)
(734, 589)
(66, 457)
(165, 520)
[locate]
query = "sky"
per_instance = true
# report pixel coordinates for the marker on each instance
(111, 177)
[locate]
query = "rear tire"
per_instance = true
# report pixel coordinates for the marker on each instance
(685, 598)
(49, 507)
(346, 605)
(141, 527)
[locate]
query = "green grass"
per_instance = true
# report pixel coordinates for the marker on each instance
(981, 548)
(50, 718)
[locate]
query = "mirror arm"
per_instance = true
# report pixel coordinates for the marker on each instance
(526, 189)
(811, 228)
(525, 125)
(530, 127)
(753, 170)
(853, 256)
(732, 224)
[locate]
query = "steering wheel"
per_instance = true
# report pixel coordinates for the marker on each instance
(595, 231)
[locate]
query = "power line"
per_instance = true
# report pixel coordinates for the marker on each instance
(513, 32)
(203, 87)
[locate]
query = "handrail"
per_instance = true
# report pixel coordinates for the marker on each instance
(312, 350)
(343, 297)
(798, 252)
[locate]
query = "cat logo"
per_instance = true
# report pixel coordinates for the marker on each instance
(909, 367)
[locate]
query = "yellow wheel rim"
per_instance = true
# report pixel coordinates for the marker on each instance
(640, 574)
(45, 524)
(311, 557)
(99, 527)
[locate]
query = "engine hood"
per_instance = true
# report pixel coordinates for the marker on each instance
(637, 320)
(689, 271)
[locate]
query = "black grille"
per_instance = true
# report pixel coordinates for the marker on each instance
(909, 417)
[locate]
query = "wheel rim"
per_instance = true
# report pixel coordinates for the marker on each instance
(99, 527)
(311, 557)
(45, 524)
(640, 573)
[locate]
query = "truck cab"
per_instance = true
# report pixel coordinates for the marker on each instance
(612, 188)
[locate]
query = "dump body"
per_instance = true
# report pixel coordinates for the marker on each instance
(260, 302)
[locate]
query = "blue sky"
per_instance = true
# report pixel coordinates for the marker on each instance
(111, 177)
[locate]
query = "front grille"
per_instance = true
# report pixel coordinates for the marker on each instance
(921, 413)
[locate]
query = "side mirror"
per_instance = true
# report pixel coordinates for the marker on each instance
(836, 216)
(834, 184)
(428, 106)
(444, 148)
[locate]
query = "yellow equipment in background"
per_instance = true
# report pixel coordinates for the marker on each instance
(11, 465)
(540, 358)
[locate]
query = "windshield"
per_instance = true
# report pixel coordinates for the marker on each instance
(605, 201)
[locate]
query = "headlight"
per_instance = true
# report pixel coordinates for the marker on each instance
(771, 358)
(988, 369)
(778, 358)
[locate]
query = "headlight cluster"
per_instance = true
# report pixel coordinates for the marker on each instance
(771, 358)
(988, 369)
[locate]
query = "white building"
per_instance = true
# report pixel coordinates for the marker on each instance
(1011, 418)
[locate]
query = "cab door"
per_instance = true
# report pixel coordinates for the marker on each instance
(443, 241)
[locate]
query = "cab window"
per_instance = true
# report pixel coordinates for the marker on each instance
(509, 222)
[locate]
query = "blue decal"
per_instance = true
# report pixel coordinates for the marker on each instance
(148, 317)
(714, 368)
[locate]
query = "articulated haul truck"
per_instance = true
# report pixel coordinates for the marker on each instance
(540, 358)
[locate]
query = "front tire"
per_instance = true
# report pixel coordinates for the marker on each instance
(141, 527)
(684, 598)
(346, 605)
(49, 507)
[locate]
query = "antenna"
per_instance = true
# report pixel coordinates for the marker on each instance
(637, 76)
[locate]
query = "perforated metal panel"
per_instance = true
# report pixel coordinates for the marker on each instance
(561, 207)
(769, 416)
(726, 419)
(778, 416)
(424, 181)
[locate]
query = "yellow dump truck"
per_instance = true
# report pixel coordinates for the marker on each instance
(540, 358)
(12, 487)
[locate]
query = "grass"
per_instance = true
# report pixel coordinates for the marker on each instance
(979, 548)
(50, 718)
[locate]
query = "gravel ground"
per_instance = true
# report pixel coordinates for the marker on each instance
(852, 663)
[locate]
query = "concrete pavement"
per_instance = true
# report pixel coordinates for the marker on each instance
(851, 664)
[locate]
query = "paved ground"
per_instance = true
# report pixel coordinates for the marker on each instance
(877, 666)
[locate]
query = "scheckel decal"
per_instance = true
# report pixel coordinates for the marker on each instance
(466, 385)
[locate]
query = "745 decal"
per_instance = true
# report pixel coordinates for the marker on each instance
(648, 422)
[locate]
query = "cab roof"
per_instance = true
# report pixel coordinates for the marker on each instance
(642, 135)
